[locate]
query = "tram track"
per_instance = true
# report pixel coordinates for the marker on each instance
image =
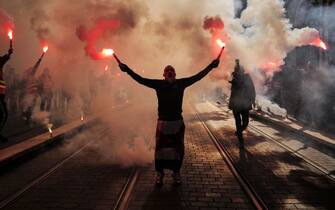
(256, 200)
(294, 152)
(268, 202)
(121, 199)
(14, 196)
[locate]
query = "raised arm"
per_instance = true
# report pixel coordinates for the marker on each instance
(35, 67)
(6, 57)
(191, 80)
(144, 81)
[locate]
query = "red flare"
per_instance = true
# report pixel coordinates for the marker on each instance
(45, 48)
(220, 43)
(272, 64)
(319, 43)
(10, 34)
(107, 52)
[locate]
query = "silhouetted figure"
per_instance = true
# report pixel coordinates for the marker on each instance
(241, 99)
(3, 107)
(30, 93)
(169, 151)
(12, 90)
(45, 84)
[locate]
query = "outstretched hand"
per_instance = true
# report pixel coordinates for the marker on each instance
(123, 67)
(214, 63)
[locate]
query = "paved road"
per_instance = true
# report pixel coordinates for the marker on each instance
(283, 180)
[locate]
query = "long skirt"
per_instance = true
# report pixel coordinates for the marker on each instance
(169, 151)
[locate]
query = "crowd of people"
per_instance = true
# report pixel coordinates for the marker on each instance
(35, 90)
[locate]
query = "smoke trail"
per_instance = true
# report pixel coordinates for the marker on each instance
(92, 35)
(263, 36)
(213, 23)
(6, 21)
(39, 23)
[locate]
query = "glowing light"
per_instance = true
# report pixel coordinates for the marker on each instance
(272, 64)
(220, 43)
(10, 34)
(49, 125)
(82, 116)
(319, 43)
(45, 49)
(106, 67)
(107, 52)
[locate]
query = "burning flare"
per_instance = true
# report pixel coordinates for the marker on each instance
(82, 116)
(10, 34)
(106, 67)
(107, 52)
(45, 48)
(319, 43)
(49, 125)
(220, 43)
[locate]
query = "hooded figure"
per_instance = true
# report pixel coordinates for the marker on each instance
(3, 107)
(169, 150)
(241, 99)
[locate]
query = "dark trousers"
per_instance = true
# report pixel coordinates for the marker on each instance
(174, 165)
(241, 119)
(3, 112)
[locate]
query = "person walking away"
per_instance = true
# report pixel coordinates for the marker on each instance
(241, 99)
(169, 150)
(3, 107)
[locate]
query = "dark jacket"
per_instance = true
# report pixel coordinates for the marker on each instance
(169, 94)
(242, 92)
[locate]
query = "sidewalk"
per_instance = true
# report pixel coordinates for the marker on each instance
(27, 145)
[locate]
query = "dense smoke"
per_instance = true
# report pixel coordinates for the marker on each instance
(90, 36)
(39, 23)
(213, 23)
(6, 21)
(309, 73)
(146, 35)
(261, 37)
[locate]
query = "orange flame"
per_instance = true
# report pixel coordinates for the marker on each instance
(45, 48)
(319, 43)
(220, 43)
(107, 52)
(10, 34)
